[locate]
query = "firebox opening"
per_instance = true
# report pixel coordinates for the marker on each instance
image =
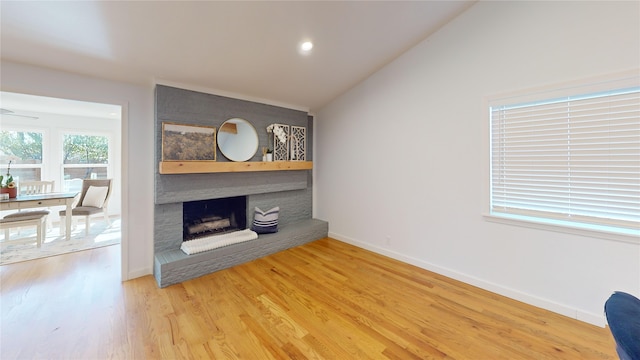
(215, 216)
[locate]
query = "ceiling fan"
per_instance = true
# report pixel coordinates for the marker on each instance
(8, 112)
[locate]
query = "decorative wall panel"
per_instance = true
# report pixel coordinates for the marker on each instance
(298, 140)
(281, 149)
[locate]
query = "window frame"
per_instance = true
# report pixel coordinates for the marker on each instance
(110, 153)
(584, 86)
(45, 153)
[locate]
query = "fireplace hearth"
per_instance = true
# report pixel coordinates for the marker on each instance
(216, 216)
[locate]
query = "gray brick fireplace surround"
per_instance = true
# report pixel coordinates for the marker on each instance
(290, 190)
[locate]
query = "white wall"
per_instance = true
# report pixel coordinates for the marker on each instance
(137, 146)
(399, 162)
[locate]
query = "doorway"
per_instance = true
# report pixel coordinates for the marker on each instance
(78, 140)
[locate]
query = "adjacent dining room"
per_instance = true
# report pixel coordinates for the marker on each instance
(60, 176)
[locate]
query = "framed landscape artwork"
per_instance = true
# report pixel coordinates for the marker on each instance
(182, 142)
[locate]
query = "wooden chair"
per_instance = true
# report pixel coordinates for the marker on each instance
(37, 187)
(84, 209)
(30, 217)
(34, 188)
(19, 220)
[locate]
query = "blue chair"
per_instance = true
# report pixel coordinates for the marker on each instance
(623, 315)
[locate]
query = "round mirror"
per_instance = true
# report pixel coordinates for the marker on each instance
(237, 139)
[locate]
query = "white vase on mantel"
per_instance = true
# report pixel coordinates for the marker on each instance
(269, 157)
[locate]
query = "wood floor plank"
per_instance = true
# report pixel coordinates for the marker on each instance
(322, 300)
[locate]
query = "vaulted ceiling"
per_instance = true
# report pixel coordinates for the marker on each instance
(230, 47)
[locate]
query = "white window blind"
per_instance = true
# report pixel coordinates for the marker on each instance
(573, 158)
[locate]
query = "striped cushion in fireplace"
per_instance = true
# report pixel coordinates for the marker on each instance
(265, 222)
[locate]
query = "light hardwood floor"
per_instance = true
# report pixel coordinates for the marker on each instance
(323, 300)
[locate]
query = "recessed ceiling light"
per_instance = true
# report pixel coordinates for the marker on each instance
(305, 47)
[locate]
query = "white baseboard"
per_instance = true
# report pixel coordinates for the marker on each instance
(594, 319)
(139, 273)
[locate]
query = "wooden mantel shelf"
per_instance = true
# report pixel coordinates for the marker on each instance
(195, 167)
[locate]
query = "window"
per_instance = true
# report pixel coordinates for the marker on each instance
(84, 157)
(24, 150)
(572, 160)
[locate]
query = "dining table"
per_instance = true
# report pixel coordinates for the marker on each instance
(22, 202)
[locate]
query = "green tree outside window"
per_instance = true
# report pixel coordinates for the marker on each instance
(85, 149)
(21, 147)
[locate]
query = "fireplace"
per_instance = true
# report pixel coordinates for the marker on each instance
(290, 190)
(215, 216)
